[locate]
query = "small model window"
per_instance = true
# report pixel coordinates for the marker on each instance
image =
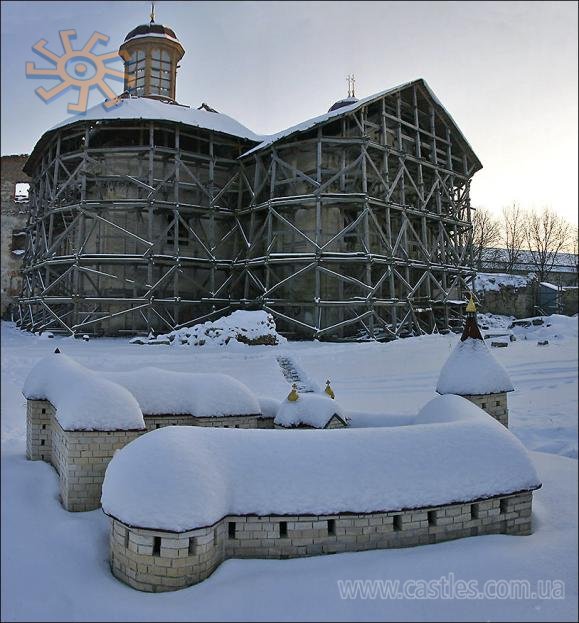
(331, 527)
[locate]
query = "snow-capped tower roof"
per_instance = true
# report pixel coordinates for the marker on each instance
(471, 369)
(152, 29)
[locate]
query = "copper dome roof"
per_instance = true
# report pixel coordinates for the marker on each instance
(151, 29)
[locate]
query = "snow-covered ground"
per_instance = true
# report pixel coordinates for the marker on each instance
(54, 563)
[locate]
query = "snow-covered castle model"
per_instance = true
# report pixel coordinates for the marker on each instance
(78, 418)
(183, 494)
(453, 473)
(471, 371)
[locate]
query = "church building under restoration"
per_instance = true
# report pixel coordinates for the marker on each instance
(150, 215)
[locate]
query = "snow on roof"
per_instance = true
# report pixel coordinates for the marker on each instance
(310, 123)
(181, 478)
(545, 284)
(471, 369)
(486, 282)
(311, 409)
(146, 108)
(342, 110)
(83, 399)
(268, 406)
(343, 102)
(203, 395)
(498, 258)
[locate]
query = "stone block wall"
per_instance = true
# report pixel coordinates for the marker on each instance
(152, 422)
(39, 430)
(157, 561)
(509, 301)
(231, 421)
(494, 404)
(81, 459)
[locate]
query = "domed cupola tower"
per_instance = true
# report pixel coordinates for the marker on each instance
(151, 53)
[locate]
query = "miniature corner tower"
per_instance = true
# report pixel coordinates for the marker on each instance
(151, 53)
(471, 371)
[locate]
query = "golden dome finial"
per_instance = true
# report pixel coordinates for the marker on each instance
(471, 307)
(329, 390)
(293, 395)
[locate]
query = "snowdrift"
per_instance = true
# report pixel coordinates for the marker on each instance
(251, 328)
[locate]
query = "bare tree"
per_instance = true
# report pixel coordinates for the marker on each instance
(513, 235)
(486, 233)
(546, 233)
(572, 245)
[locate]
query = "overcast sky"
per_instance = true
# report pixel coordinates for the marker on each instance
(507, 72)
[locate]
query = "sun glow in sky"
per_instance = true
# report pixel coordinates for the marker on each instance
(506, 71)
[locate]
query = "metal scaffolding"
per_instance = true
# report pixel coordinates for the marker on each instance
(361, 225)
(357, 226)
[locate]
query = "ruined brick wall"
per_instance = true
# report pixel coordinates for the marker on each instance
(13, 219)
(158, 561)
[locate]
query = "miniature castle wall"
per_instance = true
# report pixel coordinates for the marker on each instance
(333, 423)
(153, 422)
(494, 404)
(81, 457)
(156, 561)
(39, 430)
